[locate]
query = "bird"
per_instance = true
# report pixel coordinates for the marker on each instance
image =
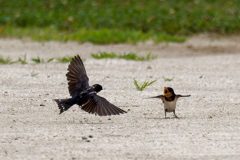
(169, 98)
(84, 95)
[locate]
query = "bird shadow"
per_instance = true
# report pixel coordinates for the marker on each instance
(162, 118)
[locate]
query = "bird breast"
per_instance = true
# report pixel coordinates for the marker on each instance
(170, 105)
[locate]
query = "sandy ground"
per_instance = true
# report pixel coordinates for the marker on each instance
(209, 124)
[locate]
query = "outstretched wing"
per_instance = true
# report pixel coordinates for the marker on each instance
(100, 106)
(159, 96)
(178, 96)
(76, 76)
(182, 96)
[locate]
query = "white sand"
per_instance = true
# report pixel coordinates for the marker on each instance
(209, 124)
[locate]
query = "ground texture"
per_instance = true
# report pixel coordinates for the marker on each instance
(206, 67)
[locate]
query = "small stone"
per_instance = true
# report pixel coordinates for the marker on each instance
(109, 119)
(84, 138)
(42, 105)
(90, 136)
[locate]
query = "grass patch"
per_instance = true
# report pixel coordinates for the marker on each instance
(118, 21)
(143, 86)
(7, 60)
(96, 36)
(41, 60)
(65, 59)
(168, 79)
(23, 60)
(33, 74)
(127, 56)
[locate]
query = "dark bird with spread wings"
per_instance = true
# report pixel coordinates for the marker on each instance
(84, 95)
(169, 98)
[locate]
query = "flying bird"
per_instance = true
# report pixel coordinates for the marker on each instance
(169, 98)
(84, 95)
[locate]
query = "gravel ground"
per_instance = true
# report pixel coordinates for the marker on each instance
(208, 128)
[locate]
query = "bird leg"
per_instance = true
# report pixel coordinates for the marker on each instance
(165, 113)
(175, 114)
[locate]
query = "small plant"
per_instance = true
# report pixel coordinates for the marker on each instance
(128, 56)
(33, 74)
(144, 85)
(64, 59)
(102, 55)
(51, 59)
(7, 60)
(23, 61)
(39, 60)
(168, 79)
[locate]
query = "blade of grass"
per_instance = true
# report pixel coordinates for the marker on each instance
(7, 60)
(23, 61)
(143, 86)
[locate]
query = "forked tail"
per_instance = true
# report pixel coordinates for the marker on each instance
(63, 104)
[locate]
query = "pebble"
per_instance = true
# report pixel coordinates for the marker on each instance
(84, 138)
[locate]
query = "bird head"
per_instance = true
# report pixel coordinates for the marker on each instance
(168, 92)
(97, 87)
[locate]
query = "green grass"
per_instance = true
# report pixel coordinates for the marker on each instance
(97, 36)
(41, 60)
(33, 74)
(7, 60)
(127, 56)
(143, 86)
(65, 59)
(168, 79)
(115, 21)
(23, 60)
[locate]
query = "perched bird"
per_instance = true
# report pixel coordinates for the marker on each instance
(169, 98)
(84, 95)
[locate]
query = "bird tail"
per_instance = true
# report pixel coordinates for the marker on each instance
(64, 104)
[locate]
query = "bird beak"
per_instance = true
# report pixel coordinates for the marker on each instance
(165, 90)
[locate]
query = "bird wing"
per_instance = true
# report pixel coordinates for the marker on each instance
(159, 96)
(76, 76)
(178, 96)
(100, 106)
(182, 96)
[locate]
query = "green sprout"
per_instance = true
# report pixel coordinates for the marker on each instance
(127, 56)
(23, 61)
(144, 85)
(7, 60)
(33, 74)
(168, 79)
(39, 60)
(64, 59)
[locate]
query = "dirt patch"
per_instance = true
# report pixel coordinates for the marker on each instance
(208, 128)
(195, 46)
